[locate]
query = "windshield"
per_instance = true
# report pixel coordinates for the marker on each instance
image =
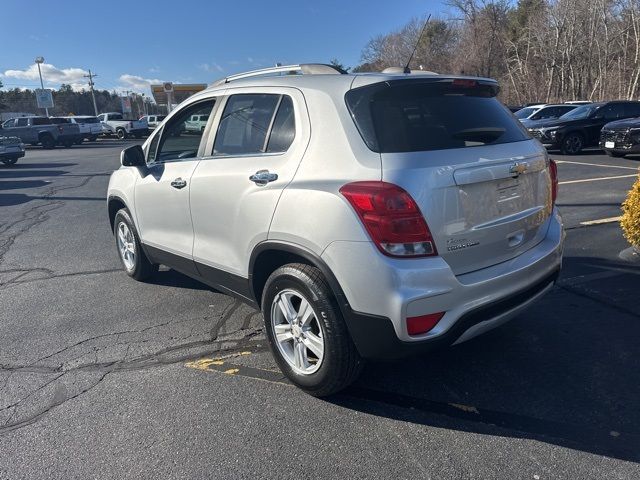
(581, 112)
(525, 112)
(417, 116)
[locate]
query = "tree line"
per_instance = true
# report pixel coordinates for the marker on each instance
(539, 50)
(69, 102)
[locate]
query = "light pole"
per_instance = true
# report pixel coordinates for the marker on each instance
(38, 61)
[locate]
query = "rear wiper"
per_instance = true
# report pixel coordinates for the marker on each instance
(482, 134)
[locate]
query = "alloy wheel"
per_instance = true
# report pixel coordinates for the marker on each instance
(126, 246)
(297, 331)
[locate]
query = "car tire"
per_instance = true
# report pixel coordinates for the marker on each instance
(121, 133)
(10, 161)
(572, 144)
(93, 138)
(614, 154)
(331, 362)
(47, 142)
(132, 256)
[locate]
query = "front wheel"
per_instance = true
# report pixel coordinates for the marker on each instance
(47, 142)
(572, 144)
(121, 134)
(10, 161)
(133, 258)
(307, 334)
(93, 138)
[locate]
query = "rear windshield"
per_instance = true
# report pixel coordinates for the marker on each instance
(431, 115)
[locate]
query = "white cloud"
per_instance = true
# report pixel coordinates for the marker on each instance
(211, 67)
(136, 83)
(52, 76)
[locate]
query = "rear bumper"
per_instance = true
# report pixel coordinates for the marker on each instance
(382, 292)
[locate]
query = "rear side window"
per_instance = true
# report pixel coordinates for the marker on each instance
(245, 124)
(434, 115)
(41, 121)
(284, 127)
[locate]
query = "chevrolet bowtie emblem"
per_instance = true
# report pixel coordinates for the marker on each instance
(518, 169)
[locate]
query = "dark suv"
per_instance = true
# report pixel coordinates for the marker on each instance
(581, 127)
(621, 137)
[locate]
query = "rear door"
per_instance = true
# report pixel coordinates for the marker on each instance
(482, 184)
(162, 193)
(259, 142)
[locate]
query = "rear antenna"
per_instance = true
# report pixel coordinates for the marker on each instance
(406, 68)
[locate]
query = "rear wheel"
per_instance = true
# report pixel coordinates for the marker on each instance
(121, 133)
(308, 336)
(572, 144)
(93, 138)
(133, 258)
(10, 161)
(47, 142)
(614, 154)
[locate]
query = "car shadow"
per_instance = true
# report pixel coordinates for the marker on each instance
(565, 372)
(18, 184)
(172, 278)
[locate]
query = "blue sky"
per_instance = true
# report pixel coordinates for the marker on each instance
(132, 43)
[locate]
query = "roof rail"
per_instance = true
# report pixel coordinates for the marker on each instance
(303, 68)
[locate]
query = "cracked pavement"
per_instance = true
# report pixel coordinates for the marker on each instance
(94, 379)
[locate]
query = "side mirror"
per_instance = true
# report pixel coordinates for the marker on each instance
(132, 156)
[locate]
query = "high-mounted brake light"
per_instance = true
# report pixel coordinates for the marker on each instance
(391, 217)
(553, 171)
(464, 82)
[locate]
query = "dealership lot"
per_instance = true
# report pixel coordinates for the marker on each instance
(104, 377)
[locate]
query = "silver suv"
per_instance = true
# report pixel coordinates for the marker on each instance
(368, 216)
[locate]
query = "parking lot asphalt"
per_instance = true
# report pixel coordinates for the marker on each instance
(104, 377)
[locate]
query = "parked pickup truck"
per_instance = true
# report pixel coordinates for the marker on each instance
(113, 123)
(153, 120)
(41, 131)
(90, 126)
(11, 149)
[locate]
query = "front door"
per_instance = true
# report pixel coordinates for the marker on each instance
(260, 140)
(162, 193)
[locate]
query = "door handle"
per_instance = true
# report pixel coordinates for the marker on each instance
(179, 183)
(262, 177)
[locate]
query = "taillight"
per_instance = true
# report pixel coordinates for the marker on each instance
(553, 171)
(423, 323)
(391, 217)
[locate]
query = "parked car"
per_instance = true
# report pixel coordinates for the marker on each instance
(42, 131)
(621, 137)
(366, 215)
(11, 150)
(547, 112)
(528, 111)
(153, 120)
(581, 127)
(196, 123)
(90, 127)
(578, 102)
(115, 124)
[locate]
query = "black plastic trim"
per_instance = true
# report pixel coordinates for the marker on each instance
(225, 282)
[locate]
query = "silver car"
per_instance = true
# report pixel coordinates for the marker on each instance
(367, 215)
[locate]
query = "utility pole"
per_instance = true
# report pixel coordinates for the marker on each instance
(40, 60)
(93, 95)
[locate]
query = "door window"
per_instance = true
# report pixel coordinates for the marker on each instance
(9, 123)
(22, 122)
(245, 124)
(613, 111)
(175, 142)
(632, 110)
(284, 127)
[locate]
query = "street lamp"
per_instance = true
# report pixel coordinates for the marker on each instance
(38, 61)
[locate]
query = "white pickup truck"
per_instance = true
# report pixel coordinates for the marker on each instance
(113, 123)
(90, 127)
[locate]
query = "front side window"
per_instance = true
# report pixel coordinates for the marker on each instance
(245, 124)
(22, 122)
(174, 142)
(9, 123)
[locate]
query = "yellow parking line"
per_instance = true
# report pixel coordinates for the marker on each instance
(596, 165)
(597, 179)
(602, 220)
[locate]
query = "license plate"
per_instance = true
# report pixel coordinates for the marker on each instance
(609, 144)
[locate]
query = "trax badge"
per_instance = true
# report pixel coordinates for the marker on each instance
(454, 244)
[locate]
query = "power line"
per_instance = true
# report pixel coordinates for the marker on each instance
(91, 76)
